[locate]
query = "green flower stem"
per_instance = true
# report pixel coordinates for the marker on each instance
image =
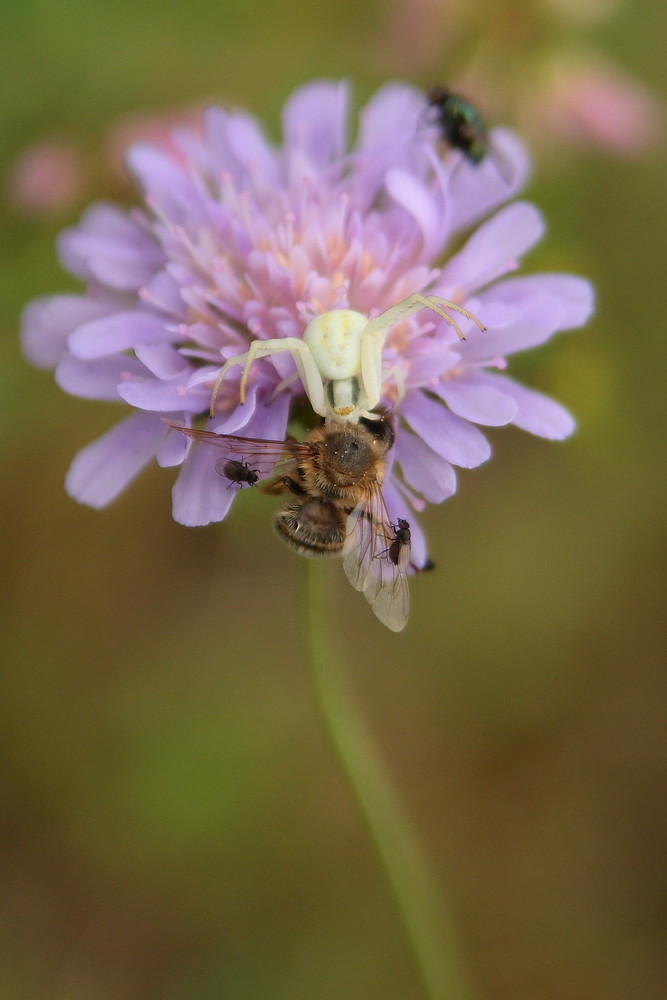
(429, 928)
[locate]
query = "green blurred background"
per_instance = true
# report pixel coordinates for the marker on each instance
(174, 826)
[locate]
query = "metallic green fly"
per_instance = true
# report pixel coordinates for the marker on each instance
(461, 125)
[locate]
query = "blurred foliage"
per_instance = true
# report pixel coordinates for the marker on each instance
(173, 825)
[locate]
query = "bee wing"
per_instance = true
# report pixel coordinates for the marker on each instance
(389, 595)
(261, 456)
(368, 565)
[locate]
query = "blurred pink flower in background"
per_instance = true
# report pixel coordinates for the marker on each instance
(586, 101)
(159, 128)
(47, 178)
(417, 33)
(53, 175)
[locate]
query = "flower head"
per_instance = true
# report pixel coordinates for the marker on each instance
(239, 241)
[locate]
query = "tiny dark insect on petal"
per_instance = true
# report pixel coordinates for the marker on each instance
(238, 472)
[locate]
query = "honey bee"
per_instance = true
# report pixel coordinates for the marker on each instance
(336, 508)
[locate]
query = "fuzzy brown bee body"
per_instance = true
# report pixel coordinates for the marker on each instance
(336, 508)
(312, 526)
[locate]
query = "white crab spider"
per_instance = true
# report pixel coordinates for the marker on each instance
(339, 358)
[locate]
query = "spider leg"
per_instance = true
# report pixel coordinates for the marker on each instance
(303, 359)
(434, 303)
(309, 373)
(397, 374)
(238, 359)
(372, 342)
(414, 303)
(285, 384)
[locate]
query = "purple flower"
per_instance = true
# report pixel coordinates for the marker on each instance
(238, 241)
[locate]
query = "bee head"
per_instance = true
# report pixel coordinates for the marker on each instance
(348, 454)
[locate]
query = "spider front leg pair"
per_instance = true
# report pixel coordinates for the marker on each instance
(339, 358)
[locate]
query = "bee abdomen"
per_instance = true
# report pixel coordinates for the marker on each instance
(313, 527)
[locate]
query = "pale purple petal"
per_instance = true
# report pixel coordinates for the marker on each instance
(575, 296)
(420, 204)
(534, 321)
(389, 121)
(248, 146)
(471, 398)
(103, 469)
(200, 495)
(163, 360)
(235, 420)
(164, 294)
(424, 470)
(448, 435)
(109, 247)
(315, 121)
(97, 379)
(119, 332)
(47, 323)
(162, 396)
(388, 137)
(235, 146)
(493, 250)
(174, 446)
(535, 413)
(476, 189)
(203, 376)
(216, 148)
(172, 192)
(269, 420)
(432, 361)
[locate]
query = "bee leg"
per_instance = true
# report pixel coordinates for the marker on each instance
(282, 485)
